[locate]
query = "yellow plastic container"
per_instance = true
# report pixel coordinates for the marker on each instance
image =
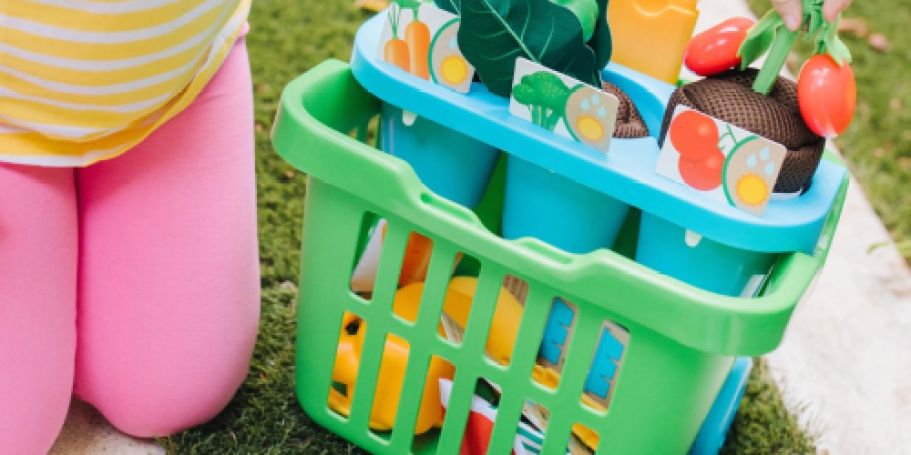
(650, 36)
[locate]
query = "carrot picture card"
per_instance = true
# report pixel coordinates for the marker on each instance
(727, 163)
(422, 39)
(559, 103)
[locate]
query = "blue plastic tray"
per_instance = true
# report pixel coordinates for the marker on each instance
(626, 173)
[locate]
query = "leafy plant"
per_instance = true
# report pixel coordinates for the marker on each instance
(545, 95)
(568, 36)
(496, 32)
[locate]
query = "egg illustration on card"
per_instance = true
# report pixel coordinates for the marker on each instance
(447, 64)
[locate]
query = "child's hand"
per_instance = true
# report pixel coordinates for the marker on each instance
(792, 10)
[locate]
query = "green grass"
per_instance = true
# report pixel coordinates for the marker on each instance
(287, 38)
(877, 146)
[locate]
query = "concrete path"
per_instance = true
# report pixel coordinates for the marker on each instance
(86, 432)
(845, 364)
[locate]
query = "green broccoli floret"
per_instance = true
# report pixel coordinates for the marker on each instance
(545, 95)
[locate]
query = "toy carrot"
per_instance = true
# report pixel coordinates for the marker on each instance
(417, 35)
(396, 50)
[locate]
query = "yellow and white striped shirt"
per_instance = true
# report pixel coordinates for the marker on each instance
(85, 80)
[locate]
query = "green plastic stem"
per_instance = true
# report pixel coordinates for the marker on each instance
(781, 47)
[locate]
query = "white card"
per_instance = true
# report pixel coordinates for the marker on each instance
(723, 161)
(563, 105)
(427, 47)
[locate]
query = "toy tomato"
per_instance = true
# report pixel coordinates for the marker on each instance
(694, 135)
(704, 175)
(714, 51)
(827, 94)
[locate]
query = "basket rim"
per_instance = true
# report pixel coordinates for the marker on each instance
(684, 313)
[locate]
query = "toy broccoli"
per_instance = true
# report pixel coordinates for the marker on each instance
(545, 95)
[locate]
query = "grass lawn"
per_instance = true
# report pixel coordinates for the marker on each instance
(877, 146)
(287, 38)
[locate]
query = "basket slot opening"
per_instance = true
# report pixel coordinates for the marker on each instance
(590, 361)
(388, 258)
(504, 327)
(369, 248)
(532, 427)
(459, 298)
(583, 440)
(481, 411)
(430, 415)
(346, 365)
(456, 397)
(412, 277)
(388, 389)
(558, 333)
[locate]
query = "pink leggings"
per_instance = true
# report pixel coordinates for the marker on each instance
(133, 283)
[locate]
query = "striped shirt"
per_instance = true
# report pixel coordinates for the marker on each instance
(85, 80)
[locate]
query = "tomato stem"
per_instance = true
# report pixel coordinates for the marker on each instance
(775, 61)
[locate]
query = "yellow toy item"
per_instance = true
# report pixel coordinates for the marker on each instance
(650, 36)
(457, 305)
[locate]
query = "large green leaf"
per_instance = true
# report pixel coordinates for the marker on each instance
(602, 42)
(494, 33)
(586, 11)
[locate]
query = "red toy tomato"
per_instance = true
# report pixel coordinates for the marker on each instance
(704, 175)
(827, 94)
(714, 51)
(694, 135)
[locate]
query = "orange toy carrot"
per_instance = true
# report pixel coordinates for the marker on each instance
(417, 35)
(395, 50)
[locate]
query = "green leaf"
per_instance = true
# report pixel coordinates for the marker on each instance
(494, 33)
(586, 11)
(834, 45)
(453, 6)
(602, 42)
(759, 39)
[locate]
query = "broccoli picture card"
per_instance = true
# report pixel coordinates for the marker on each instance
(422, 39)
(559, 103)
(727, 163)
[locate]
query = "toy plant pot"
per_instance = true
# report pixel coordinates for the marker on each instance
(700, 261)
(451, 164)
(558, 211)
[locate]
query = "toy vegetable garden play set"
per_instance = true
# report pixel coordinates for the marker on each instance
(558, 247)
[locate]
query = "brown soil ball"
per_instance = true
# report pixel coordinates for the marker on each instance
(629, 123)
(730, 97)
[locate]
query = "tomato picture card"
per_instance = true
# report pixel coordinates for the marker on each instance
(723, 161)
(421, 39)
(561, 104)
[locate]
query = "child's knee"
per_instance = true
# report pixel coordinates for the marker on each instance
(32, 420)
(169, 372)
(149, 400)
(35, 387)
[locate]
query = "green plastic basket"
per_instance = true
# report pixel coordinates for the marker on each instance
(682, 339)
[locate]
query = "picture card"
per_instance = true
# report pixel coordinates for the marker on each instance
(564, 105)
(423, 41)
(725, 162)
